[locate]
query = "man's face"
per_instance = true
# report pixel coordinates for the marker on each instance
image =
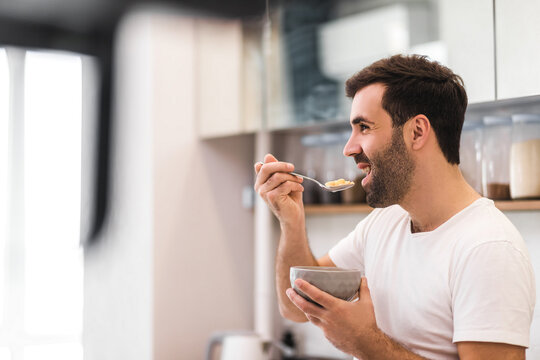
(378, 149)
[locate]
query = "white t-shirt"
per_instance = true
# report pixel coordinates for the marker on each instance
(470, 279)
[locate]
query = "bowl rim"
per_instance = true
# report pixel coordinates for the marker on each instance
(333, 269)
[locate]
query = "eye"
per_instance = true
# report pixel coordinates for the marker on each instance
(363, 127)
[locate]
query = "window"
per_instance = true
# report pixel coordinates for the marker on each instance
(40, 176)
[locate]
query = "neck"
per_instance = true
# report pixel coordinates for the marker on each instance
(441, 193)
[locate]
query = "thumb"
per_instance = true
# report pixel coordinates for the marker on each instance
(269, 158)
(364, 289)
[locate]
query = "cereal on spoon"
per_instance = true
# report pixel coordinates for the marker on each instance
(338, 182)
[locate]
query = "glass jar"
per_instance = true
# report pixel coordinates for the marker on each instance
(333, 167)
(497, 139)
(525, 156)
(311, 167)
(471, 154)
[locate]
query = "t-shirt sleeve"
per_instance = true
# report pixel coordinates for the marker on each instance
(493, 295)
(349, 252)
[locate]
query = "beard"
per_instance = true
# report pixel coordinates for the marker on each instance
(392, 170)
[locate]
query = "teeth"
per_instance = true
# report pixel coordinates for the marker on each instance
(366, 170)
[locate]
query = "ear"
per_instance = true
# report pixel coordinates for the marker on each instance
(419, 130)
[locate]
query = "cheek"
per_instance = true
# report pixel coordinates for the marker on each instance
(370, 150)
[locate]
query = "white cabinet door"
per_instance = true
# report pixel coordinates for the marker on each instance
(517, 26)
(252, 73)
(467, 32)
(219, 77)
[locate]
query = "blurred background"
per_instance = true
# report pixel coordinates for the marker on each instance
(128, 131)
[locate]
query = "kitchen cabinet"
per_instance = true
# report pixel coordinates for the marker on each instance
(518, 48)
(492, 45)
(466, 30)
(312, 57)
(229, 81)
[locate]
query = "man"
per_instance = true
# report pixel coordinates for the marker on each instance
(447, 275)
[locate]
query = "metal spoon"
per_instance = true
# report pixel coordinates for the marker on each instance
(329, 188)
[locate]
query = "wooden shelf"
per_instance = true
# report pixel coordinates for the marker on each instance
(518, 205)
(337, 209)
(510, 205)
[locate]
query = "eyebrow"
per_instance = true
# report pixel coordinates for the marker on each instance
(357, 120)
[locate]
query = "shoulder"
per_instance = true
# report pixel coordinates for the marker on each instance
(482, 223)
(488, 246)
(493, 294)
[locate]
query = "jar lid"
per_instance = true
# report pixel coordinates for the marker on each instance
(497, 120)
(526, 118)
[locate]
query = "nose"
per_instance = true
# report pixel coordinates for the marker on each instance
(352, 147)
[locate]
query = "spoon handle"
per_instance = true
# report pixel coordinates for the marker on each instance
(308, 178)
(303, 177)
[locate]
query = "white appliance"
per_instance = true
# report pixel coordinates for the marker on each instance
(242, 345)
(350, 43)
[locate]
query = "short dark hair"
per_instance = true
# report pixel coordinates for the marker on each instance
(416, 85)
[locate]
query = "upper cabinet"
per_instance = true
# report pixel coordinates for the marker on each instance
(467, 34)
(518, 48)
(315, 46)
(311, 47)
(229, 81)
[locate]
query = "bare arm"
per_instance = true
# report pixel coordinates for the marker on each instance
(283, 194)
(470, 350)
(293, 250)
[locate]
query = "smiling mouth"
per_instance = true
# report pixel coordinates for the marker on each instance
(366, 170)
(364, 167)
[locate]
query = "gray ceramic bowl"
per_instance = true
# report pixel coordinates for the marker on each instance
(339, 282)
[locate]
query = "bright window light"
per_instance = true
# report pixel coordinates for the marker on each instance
(4, 131)
(5, 354)
(53, 263)
(53, 352)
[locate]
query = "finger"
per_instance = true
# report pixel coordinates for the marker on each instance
(282, 194)
(320, 297)
(258, 166)
(269, 158)
(278, 179)
(269, 169)
(286, 189)
(307, 307)
(364, 290)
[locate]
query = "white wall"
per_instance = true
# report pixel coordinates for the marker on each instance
(118, 268)
(175, 261)
(325, 231)
(203, 238)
